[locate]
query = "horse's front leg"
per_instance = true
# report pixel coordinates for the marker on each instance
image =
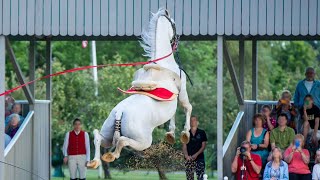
(170, 135)
(184, 101)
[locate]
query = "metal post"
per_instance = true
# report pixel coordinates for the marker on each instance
(220, 107)
(254, 70)
(2, 101)
(241, 66)
(48, 70)
(94, 63)
(32, 67)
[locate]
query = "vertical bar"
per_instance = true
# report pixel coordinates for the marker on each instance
(220, 16)
(220, 107)
(2, 101)
(241, 66)
(32, 68)
(48, 70)
(254, 70)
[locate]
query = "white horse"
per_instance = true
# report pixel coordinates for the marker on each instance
(138, 115)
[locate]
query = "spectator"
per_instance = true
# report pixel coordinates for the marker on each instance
(13, 125)
(16, 109)
(270, 122)
(193, 151)
(282, 136)
(76, 150)
(277, 168)
(316, 167)
(250, 161)
(310, 114)
(259, 138)
(285, 106)
(7, 140)
(307, 86)
(9, 101)
(298, 159)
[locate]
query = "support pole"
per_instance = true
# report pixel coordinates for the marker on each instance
(220, 107)
(2, 101)
(241, 66)
(48, 70)
(49, 94)
(254, 70)
(32, 67)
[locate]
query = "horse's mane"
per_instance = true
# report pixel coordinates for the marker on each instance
(148, 35)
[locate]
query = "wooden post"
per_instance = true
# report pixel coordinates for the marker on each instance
(220, 107)
(2, 101)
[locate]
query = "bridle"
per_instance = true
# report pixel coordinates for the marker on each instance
(174, 42)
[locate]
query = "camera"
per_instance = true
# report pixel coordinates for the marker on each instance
(242, 151)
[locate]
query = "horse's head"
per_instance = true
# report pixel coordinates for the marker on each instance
(160, 36)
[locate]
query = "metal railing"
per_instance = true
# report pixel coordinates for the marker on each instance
(237, 134)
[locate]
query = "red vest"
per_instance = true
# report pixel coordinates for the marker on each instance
(77, 145)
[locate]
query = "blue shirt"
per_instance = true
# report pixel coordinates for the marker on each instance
(301, 92)
(283, 171)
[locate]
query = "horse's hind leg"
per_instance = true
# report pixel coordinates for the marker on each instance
(98, 141)
(170, 135)
(122, 142)
(184, 101)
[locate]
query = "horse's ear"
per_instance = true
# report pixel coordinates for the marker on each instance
(167, 13)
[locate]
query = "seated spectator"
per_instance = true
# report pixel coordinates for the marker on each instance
(298, 160)
(9, 101)
(310, 114)
(276, 168)
(316, 167)
(7, 140)
(252, 163)
(270, 122)
(16, 109)
(281, 136)
(259, 138)
(13, 125)
(285, 106)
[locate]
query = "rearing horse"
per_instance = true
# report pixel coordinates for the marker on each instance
(132, 121)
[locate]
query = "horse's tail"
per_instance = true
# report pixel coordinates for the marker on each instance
(117, 127)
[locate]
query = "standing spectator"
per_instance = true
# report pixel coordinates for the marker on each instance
(193, 151)
(13, 125)
(276, 168)
(259, 138)
(298, 160)
(16, 109)
(282, 136)
(310, 114)
(250, 161)
(270, 122)
(316, 167)
(307, 86)
(9, 101)
(285, 106)
(76, 150)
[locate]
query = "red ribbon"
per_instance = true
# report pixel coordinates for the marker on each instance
(83, 68)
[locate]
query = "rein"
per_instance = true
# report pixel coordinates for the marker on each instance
(84, 68)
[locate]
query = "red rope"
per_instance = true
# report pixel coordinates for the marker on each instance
(80, 69)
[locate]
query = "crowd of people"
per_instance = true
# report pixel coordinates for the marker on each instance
(278, 145)
(13, 118)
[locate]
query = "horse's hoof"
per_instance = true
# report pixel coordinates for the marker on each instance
(94, 164)
(170, 138)
(184, 138)
(108, 157)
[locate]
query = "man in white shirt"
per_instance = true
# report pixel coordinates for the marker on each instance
(76, 150)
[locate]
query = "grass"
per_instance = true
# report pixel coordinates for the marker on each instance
(132, 175)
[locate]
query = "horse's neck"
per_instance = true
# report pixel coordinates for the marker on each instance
(163, 48)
